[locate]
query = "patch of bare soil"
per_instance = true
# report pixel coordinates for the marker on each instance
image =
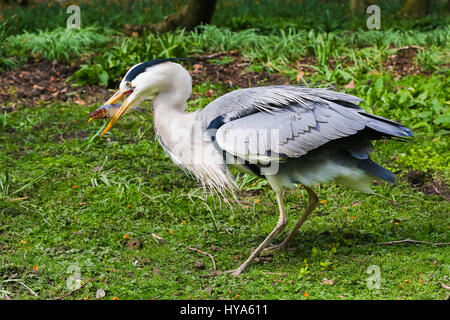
(230, 69)
(418, 179)
(43, 80)
(402, 63)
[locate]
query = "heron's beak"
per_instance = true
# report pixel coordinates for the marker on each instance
(117, 96)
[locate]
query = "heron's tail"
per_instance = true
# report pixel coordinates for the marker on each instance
(376, 170)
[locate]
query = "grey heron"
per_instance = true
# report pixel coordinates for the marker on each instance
(289, 135)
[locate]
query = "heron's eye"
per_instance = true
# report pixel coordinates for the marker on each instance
(128, 83)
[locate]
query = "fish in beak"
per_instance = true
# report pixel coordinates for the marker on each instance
(104, 112)
(116, 97)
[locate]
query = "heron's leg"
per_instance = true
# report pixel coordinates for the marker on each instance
(282, 221)
(312, 204)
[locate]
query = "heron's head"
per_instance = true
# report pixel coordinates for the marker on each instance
(143, 81)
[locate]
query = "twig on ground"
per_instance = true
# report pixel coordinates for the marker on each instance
(146, 195)
(206, 254)
(71, 292)
(18, 199)
(394, 203)
(414, 241)
(29, 289)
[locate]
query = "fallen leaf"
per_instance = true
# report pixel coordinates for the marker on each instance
(36, 267)
(305, 294)
(115, 298)
(80, 102)
(300, 75)
(209, 93)
(100, 294)
(446, 287)
(134, 244)
(199, 265)
(156, 271)
(327, 281)
(126, 236)
(350, 85)
(323, 201)
(197, 67)
(158, 238)
(208, 290)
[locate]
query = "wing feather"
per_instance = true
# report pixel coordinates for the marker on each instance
(291, 121)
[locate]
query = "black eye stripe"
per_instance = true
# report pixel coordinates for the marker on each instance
(132, 74)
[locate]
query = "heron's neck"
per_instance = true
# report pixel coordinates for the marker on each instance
(172, 124)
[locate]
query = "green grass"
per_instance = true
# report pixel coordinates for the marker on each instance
(68, 198)
(83, 194)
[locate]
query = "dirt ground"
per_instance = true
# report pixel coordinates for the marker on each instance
(402, 63)
(44, 80)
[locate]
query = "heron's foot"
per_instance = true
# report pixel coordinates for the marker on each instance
(236, 272)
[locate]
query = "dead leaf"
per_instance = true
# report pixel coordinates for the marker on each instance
(158, 238)
(197, 67)
(156, 271)
(80, 102)
(199, 265)
(100, 294)
(300, 75)
(208, 290)
(446, 287)
(350, 85)
(134, 244)
(327, 281)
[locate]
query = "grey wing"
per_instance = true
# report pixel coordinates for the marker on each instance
(288, 121)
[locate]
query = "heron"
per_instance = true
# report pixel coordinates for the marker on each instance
(289, 135)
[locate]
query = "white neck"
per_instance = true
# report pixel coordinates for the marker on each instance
(172, 124)
(183, 138)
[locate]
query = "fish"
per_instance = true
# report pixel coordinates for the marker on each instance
(104, 112)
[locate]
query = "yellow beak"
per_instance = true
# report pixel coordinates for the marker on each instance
(117, 96)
